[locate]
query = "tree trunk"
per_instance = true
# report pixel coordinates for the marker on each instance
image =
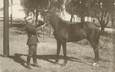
(102, 29)
(36, 21)
(82, 19)
(71, 18)
(11, 12)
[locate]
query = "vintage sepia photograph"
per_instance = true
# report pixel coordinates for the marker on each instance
(57, 35)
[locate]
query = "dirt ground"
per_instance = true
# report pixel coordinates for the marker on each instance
(80, 55)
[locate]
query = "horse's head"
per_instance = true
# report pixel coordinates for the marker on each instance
(48, 16)
(51, 17)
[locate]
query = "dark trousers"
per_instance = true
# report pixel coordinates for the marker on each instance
(32, 54)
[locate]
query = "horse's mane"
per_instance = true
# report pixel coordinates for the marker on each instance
(55, 18)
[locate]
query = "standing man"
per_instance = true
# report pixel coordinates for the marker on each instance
(32, 40)
(32, 44)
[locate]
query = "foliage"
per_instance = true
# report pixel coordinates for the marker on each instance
(100, 9)
(88, 7)
(30, 5)
(103, 12)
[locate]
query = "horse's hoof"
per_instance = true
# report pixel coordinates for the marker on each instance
(95, 64)
(56, 61)
(29, 67)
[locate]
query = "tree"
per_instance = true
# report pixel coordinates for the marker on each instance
(100, 9)
(11, 5)
(103, 12)
(77, 7)
(103, 19)
(34, 6)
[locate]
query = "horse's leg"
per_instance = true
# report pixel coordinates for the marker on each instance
(96, 52)
(64, 52)
(94, 40)
(58, 49)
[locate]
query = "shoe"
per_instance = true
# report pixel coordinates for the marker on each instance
(29, 67)
(36, 65)
(56, 61)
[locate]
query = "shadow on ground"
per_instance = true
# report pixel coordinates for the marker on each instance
(17, 58)
(49, 58)
(90, 58)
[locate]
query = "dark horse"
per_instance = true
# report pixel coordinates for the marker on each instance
(71, 32)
